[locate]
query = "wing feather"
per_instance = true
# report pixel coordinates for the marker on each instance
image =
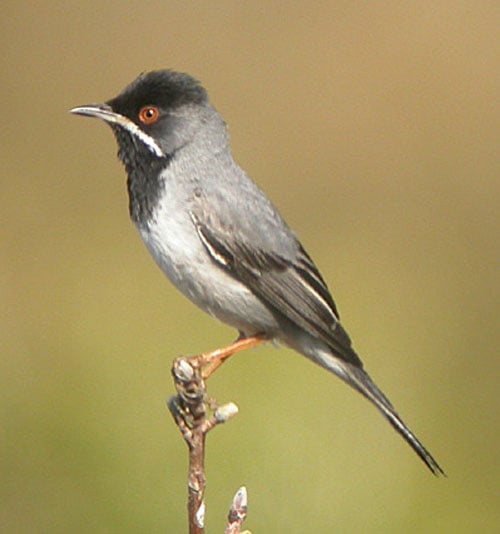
(294, 287)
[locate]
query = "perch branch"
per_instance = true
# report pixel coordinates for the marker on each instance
(189, 410)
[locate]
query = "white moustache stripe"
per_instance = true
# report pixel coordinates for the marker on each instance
(134, 130)
(106, 114)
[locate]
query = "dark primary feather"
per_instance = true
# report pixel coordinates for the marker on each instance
(294, 288)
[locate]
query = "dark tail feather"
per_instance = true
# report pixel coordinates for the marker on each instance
(361, 381)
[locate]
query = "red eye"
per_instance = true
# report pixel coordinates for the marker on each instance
(149, 114)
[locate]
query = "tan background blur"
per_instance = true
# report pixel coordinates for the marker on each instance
(374, 127)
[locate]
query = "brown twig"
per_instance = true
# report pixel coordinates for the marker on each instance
(189, 410)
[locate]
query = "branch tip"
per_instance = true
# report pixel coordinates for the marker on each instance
(225, 412)
(183, 370)
(237, 512)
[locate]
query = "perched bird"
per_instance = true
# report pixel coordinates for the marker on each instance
(218, 238)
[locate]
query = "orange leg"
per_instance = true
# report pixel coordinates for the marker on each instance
(210, 361)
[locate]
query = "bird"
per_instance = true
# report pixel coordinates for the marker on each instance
(217, 236)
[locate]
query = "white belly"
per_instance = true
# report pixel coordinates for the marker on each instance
(173, 242)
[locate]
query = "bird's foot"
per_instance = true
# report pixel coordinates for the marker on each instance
(209, 362)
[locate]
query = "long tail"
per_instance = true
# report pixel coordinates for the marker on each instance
(359, 379)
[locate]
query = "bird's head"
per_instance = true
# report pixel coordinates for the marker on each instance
(154, 116)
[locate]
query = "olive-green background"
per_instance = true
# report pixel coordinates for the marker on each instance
(374, 126)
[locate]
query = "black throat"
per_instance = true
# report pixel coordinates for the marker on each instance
(144, 171)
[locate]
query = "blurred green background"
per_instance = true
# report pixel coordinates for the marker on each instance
(374, 127)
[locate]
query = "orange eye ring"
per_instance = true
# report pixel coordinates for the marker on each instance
(149, 114)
